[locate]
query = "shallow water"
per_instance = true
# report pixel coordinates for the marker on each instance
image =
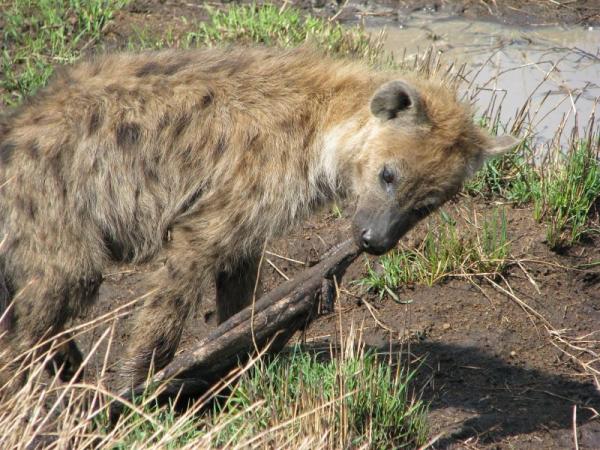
(558, 67)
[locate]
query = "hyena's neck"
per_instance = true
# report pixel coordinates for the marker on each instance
(338, 149)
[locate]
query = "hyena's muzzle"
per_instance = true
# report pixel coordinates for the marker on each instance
(378, 230)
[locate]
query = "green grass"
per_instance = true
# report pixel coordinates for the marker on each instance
(348, 401)
(446, 250)
(37, 35)
(568, 190)
(271, 26)
(562, 190)
(358, 400)
(265, 25)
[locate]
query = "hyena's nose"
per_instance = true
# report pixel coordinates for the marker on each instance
(366, 236)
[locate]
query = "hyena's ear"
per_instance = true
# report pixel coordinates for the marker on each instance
(395, 98)
(493, 146)
(499, 145)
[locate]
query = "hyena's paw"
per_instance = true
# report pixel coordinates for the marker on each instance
(66, 362)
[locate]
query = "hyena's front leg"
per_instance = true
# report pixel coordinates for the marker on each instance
(236, 287)
(159, 324)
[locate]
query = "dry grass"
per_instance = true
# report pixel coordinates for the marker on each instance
(332, 399)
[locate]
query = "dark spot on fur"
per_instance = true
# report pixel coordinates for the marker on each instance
(32, 209)
(190, 201)
(207, 99)
(221, 145)
(142, 103)
(150, 68)
(116, 89)
(96, 120)
(151, 173)
(186, 229)
(229, 66)
(6, 152)
(27, 205)
(164, 122)
(251, 139)
(136, 208)
(254, 190)
(128, 134)
(172, 270)
(154, 68)
(57, 166)
(175, 67)
(181, 123)
(137, 194)
(33, 148)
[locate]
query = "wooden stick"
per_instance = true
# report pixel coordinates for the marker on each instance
(279, 313)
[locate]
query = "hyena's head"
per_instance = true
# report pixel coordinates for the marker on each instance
(421, 146)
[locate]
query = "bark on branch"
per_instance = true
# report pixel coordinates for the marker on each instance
(276, 317)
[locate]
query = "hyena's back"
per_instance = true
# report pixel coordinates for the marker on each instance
(116, 149)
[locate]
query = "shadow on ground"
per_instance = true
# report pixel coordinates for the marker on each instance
(477, 398)
(490, 399)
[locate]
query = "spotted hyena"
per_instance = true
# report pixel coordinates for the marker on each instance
(219, 151)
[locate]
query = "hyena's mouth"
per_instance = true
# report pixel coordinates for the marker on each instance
(377, 232)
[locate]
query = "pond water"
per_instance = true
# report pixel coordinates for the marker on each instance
(557, 68)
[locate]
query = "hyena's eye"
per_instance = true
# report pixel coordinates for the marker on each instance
(387, 175)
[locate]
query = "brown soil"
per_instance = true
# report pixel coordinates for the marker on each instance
(492, 374)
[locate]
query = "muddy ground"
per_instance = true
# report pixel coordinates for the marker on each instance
(160, 15)
(514, 12)
(492, 374)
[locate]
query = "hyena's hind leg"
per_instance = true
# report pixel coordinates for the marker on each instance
(50, 293)
(67, 360)
(236, 287)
